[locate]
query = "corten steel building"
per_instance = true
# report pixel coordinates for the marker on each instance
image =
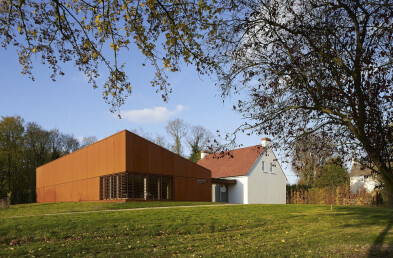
(122, 167)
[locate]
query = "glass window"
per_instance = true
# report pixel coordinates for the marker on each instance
(123, 186)
(154, 184)
(139, 186)
(129, 185)
(103, 197)
(166, 188)
(263, 166)
(117, 185)
(271, 167)
(110, 188)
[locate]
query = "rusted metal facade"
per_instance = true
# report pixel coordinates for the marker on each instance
(79, 176)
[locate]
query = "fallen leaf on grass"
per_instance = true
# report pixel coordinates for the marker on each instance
(283, 240)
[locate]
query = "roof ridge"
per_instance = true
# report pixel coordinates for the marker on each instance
(260, 145)
(235, 162)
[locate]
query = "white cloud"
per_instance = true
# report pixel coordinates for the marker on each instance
(151, 115)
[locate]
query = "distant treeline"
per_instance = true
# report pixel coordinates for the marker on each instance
(23, 148)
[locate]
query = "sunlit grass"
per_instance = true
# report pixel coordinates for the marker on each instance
(258, 230)
(50, 208)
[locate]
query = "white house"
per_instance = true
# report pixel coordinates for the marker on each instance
(361, 177)
(247, 175)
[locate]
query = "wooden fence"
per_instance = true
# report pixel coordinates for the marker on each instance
(335, 196)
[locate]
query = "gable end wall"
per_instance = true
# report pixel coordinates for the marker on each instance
(266, 187)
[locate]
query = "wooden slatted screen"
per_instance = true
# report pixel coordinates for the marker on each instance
(137, 186)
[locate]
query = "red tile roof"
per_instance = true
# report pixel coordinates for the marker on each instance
(232, 163)
(359, 170)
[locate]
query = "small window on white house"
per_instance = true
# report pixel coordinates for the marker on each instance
(263, 166)
(271, 167)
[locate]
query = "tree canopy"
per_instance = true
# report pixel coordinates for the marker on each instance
(315, 66)
(23, 148)
(198, 139)
(310, 153)
(167, 32)
(184, 139)
(306, 66)
(177, 129)
(332, 174)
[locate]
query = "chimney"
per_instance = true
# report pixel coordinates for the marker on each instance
(203, 154)
(266, 142)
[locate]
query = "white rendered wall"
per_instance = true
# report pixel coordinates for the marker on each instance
(359, 182)
(213, 192)
(266, 187)
(237, 193)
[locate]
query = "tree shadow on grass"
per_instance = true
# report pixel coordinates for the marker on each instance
(362, 217)
(378, 249)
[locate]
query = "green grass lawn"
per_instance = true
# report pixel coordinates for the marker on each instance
(66, 207)
(257, 230)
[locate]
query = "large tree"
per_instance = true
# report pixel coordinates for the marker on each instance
(160, 140)
(11, 153)
(312, 65)
(57, 31)
(88, 140)
(332, 174)
(62, 144)
(315, 66)
(23, 148)
(37, 147)
(198, 139)
(310, 152)
(177, 130)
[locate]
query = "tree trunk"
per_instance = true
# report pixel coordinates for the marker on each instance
(32, 186)
(387, 177)
(382, 166)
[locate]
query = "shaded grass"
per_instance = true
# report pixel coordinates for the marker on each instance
(258, 230)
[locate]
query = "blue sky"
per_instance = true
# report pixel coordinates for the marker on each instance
(74, 107)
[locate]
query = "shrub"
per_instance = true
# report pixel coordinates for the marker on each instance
(5, 203)
(340, 195)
